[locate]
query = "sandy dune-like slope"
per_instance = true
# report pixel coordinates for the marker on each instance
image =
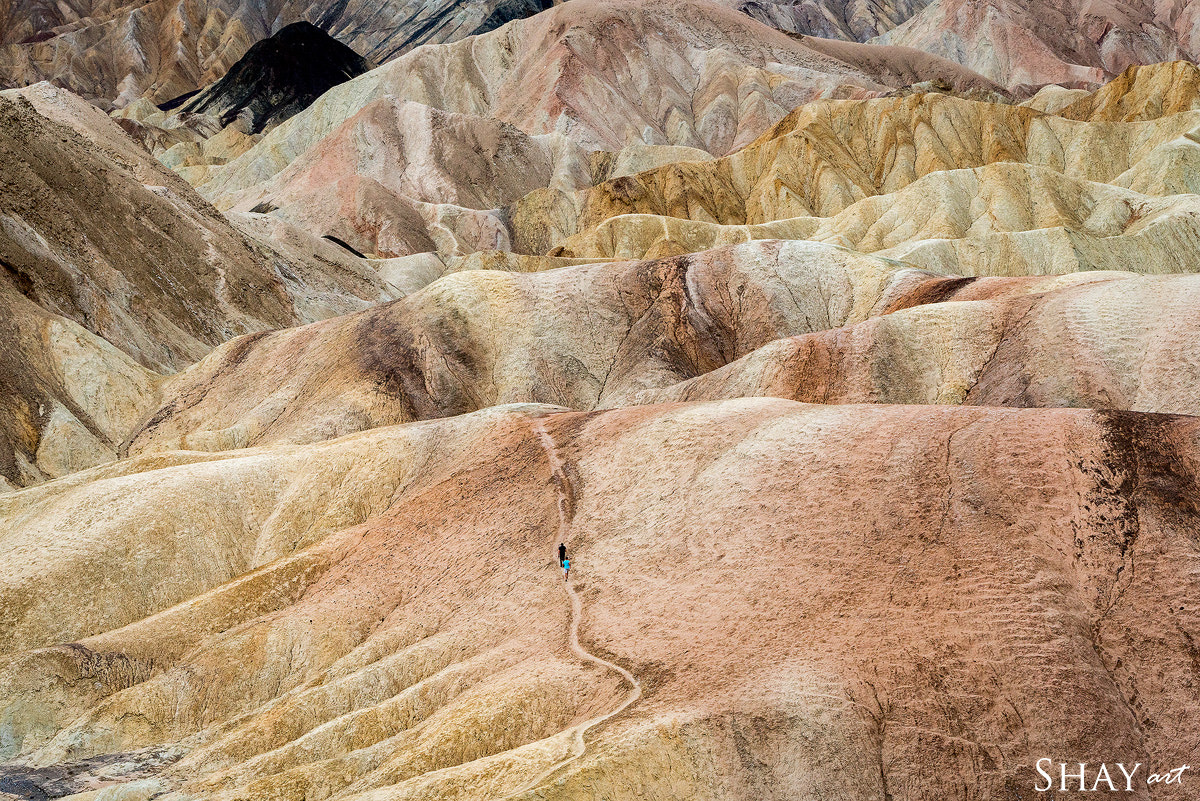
(968, 590)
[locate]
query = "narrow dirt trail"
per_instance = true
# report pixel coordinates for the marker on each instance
(578, 746)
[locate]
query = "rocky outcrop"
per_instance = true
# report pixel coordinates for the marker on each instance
(120, 51)
(850, 20)
(279, 77)
(113, 272)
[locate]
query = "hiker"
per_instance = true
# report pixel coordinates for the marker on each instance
(566, 569)
(562, 553)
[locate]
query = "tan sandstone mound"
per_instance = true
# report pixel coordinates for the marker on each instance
(1113, 341)
(1006, 218)
(1141, 93)
(123, 227)
(582, 336)
(68, 398)
(966, 590)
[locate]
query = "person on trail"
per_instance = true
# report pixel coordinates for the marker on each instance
(562, 553)
(566, 569)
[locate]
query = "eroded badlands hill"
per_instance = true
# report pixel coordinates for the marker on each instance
(775, 334)
(118, 51)
(1031, 42)
(278, 77)
(862, 174)
(111, 266)
(446, 138)
(972, 589)
(1103, 181)
(597, 336)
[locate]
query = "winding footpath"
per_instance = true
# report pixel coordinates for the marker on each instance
(578, 746)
